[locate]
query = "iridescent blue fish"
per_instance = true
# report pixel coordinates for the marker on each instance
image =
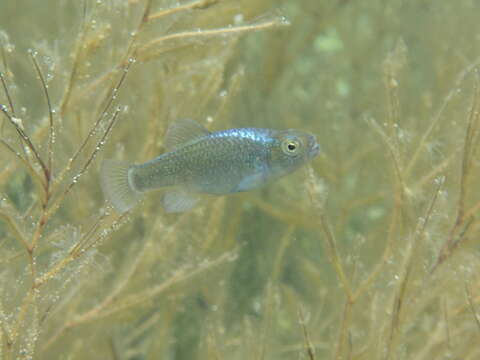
(199, 161)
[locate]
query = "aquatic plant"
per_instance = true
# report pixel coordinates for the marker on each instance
(369, 254)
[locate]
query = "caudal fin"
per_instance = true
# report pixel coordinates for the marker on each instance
(116, 186)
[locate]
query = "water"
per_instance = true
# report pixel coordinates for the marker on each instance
(359, 254)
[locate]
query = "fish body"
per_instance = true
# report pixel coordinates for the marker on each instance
(217, 163)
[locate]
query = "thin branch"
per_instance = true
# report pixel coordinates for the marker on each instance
(392, 228)
(20, 236)
(306, 337)
(26, 139)
(266, 322)
(428, 178)
(56, 205)
(397, 307)
(181, 276)
(314, 191)
(76, 62)
(25, 162)
(198, 4)
(284, 243)
(7, 94)
(46, 214)
(397, 168)
(447, 326)
(16, 229)
(102, 236)
(95, 126)
(98, 147)
(437, 117)
(414, 243)
(28, 299)
(120, 304)
(77, 248)
(467, 152)
(469, 148)
(472, 307)
(472, 211)
(334, 257)
(50, 111)
(145, 17)
(344, 334)
(75, 252)
(212, 33)
(129, 56)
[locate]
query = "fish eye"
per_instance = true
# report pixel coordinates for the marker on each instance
(290, 146)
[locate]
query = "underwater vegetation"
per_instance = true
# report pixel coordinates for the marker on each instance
(371, 251)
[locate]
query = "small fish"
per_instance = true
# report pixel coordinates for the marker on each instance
(199, 161)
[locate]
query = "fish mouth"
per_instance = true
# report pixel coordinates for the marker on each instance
(315, 149)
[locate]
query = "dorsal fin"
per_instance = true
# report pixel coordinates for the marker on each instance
(182, 131)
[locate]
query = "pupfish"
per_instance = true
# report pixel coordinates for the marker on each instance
(198, 161)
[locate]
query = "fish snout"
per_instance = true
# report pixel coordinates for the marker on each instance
(314, 146)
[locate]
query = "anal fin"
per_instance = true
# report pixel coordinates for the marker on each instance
(179, 200)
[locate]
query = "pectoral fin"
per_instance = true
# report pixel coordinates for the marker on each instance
(179, 200)
(250, 182)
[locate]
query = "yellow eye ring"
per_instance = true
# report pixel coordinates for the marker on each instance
(290, 147)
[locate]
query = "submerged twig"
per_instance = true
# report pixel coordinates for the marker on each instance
(114, 305)
(310, 350)
(50, 112)
(476, 317)
(314, 189)
(16, 228)
(25, 138)
(25, 162)
(197, 4)
(446, 319)
(416, 239)
(7, 94)
(96, 125)
(199, 34)
(438, 115)
(79, 44)
(86, 165)
(343, 336)
(472, 133)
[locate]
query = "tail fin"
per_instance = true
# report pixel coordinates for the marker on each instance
(116, 186)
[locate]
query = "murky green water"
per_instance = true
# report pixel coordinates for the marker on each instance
(369, 253)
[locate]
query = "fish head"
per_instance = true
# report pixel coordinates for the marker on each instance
(291, 149)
